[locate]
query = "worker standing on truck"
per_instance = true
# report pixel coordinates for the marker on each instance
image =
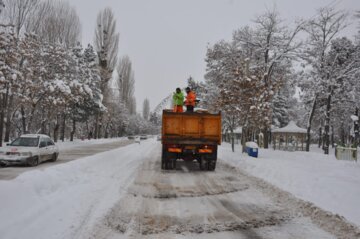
(190, 100)
(178, 101)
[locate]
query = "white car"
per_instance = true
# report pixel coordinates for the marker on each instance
(29, 149)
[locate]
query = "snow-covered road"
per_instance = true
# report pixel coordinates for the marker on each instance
(123, 193)
(227, 203)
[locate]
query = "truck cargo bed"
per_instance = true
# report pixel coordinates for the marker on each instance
(191, 126)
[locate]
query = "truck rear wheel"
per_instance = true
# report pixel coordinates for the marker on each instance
(162, 163)
(208, 162)
(173, 163)
(212, 162)
(163, 159)
(211, 165)
(202, 163)
(170, 163)
(168, 160)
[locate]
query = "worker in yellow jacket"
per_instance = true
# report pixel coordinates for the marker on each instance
(178, 101)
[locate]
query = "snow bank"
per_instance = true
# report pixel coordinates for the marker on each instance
(312, 176)
(78, 142)
(63, 201)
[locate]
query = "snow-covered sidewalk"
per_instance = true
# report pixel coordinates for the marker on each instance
(63, 201)
(312, 176)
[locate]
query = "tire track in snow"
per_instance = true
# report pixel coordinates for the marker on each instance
(121, 183)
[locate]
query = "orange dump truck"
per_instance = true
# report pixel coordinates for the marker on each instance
(190, 136)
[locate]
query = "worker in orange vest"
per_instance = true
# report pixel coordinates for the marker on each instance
(190, 100)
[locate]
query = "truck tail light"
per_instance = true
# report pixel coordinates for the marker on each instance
(205, 151)
(174, 150)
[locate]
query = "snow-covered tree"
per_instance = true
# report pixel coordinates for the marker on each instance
(106, 45)
(2, 6)
(319, 80)
(126, 83)
(137, 125)
(33, 58)
(9, 74)
(17, 12)
(55, 22)
(49, 84)
(285, 106)
(280, 106)
(146, 109)
(245, 73)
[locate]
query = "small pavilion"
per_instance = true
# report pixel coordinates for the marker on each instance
(290, 137)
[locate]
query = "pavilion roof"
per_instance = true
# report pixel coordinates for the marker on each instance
(290, 128)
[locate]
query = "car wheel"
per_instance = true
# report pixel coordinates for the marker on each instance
(53, 158)
(34, 161)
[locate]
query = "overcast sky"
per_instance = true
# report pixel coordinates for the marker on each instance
(166, 39)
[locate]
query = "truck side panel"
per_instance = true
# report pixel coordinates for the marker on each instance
(212, 128)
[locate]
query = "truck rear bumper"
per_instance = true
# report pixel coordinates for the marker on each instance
(190, 152)
(190, 149)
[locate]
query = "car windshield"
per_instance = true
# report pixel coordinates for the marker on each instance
(27, 142)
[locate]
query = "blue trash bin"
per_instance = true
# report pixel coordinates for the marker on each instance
(252, 149)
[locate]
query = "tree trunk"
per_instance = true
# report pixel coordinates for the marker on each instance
(356, 128)
(43, 126)
(99, 131)
(63, 128)
(327, 126)
(56, 129)
(244, 139)
(320, 137)
(308, 133)
(96, 126)
(3, 105)
(49, 129)
(23, 120)
(232, 139)
(332, 137)
(270, 137)
(73, 130)
(8, 119)
(7, 127)
(266, 138)
(2, 115)
(106, 131)
(100, 126)
(31, 117)
(43, 121)
(342, 134)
